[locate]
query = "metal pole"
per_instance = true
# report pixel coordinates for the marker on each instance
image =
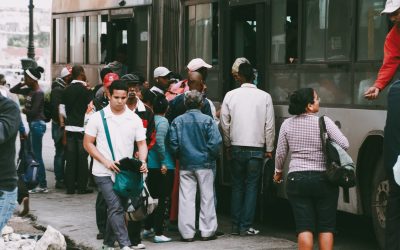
(31, 47)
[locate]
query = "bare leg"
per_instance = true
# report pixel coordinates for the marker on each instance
(325, 241)
(305, 240)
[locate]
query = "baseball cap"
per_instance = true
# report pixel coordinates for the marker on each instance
(236, 64)
(65, 72)
(109, 78)
(197, 63)
(391, 6)
(161, 71)
(131, 78)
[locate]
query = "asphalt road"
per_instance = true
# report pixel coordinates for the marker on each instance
(74, 216)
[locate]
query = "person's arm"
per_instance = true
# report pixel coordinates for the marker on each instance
(55, 100)
(173, 138)
(269, 128)
(9, 121)
(225, 122)
(335, 134)
(37, 103)
(214, 139)
(161, 133)
(17, 89)
(142, 154)
(281, 154)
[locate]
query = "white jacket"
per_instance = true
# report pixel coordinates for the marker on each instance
(247, 118)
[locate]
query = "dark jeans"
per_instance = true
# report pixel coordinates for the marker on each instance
(115, 229)
(76, 170)
(314, 201)
(391, 149)
(37, 130)
(160, 187)
(59, 160)
(246, 171)
(101, 213)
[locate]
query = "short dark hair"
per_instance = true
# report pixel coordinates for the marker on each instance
(104, 72)
(118, 85)
(299, 100)
(246, 71)
(76, 71)
(160, 104)
(148, 96)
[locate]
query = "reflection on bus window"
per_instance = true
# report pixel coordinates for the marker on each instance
(364, 80)
(333, 88)
(77, 40)
(202, 38)
(282, 85)
(372, 30)
(328, 25)
(284, 31)
(60, 38)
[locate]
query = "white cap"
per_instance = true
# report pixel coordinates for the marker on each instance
(391, 6)
(161, 71)
(64, 72)
(236, 64)
(197, 63)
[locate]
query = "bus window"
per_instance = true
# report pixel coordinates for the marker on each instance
(282, 85)
(60, 40)
(372, 30)
(284, 31)
(328, 25)
(77, 40)
(364, 80)
(202, 37)
(332, 87)
(94, 49)
(104, 40)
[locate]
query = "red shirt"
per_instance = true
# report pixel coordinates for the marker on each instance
(391, 60)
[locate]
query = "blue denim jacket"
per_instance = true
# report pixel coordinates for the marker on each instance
(195, 139)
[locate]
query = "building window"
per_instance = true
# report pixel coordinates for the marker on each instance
(372, 30)
(60, 40)
(327, 29)
(202, 32)
(284, 31)
(94, 39)
(77, 39)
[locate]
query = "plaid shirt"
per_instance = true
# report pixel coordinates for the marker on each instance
(300, 135)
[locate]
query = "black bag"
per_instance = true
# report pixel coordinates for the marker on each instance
(27, 166)
(340, 168)
(139, 207)
(47, 110)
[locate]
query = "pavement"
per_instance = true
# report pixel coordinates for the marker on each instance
(74, 216)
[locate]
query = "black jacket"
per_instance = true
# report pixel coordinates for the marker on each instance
(57, 89)
(9, 124)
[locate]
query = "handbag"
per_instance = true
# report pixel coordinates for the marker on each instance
(28, 167)
(340, 169)
(138, 208)
(128, 182)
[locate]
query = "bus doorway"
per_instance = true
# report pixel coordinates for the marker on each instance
(248, 38)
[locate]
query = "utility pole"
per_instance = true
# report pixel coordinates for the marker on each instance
(30, 61)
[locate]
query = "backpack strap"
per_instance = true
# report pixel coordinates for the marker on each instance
(103, 118)
(323, 133)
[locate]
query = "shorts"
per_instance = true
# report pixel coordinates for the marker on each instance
(314, 201)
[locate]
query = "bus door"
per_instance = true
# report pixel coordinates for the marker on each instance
(247, 33)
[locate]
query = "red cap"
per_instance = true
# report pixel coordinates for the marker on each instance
(109, 78)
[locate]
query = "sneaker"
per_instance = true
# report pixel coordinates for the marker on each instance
(147, 233)
(161, 239)
(38, 190)
(105, 247)
(24, 207)
(249, 232)
(126, 248)
(139, 246)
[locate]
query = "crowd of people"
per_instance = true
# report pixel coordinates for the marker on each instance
(177, 134)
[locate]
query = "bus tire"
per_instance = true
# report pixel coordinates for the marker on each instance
(380, 193)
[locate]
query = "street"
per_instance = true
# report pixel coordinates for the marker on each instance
(74, 216)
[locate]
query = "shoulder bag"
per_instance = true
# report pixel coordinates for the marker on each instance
(340, 168)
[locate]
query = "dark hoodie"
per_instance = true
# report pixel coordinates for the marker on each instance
(9, 124)
(57, 88)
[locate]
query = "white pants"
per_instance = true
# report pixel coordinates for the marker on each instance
(187, 203)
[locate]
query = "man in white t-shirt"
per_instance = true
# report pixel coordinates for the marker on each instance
(125, 128)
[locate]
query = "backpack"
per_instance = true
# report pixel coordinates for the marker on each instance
(47, 108)
(27, 166)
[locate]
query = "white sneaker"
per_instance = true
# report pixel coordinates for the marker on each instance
(139, 246)
(38, 190)
(251, 231)
(126, 248)
(147, 233)
(161, 239)
(105, 247)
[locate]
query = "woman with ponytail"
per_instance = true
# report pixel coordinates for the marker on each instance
(34, 105)
(312, 197)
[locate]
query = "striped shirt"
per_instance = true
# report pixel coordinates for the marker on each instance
(300, 136)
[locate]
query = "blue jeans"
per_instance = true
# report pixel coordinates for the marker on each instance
(59, 159)
(246, 170)
(37, 130)
(8, 202)
(115, 228)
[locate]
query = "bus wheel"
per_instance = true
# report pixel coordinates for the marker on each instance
(380, 194)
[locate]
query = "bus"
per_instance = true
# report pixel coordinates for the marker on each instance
(335, 47)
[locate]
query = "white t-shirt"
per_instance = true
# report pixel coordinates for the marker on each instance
(124, 130)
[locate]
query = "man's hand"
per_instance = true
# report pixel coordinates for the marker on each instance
(23, 136)
(371, 93)
(143, 168)
(164, 169)
(268, 155)
(278, 177)
(111, 165)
